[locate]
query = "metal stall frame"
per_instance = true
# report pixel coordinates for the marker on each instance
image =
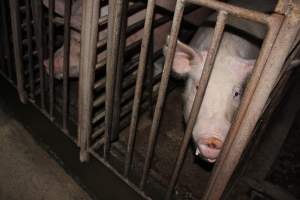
(17, 48)
(89, 37)
(9, 75)
(254, 99)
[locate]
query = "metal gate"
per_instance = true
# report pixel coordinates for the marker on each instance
(105, 87)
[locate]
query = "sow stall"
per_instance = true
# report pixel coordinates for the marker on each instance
(114, 108)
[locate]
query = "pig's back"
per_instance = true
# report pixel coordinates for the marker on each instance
(231, 44)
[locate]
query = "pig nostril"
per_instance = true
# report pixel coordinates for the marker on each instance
(214, 143)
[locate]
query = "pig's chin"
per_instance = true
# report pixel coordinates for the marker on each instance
(207, 153)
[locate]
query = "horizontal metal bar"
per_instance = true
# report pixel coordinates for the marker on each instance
(233, 10)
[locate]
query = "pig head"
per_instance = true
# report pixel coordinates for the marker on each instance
(233, 65)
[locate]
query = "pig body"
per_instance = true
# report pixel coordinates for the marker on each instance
(232, 67)
(159, 34)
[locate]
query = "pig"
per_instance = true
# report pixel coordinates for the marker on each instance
(233, 65)
(159, 32)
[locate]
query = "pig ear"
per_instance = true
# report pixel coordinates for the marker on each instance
(185, 58)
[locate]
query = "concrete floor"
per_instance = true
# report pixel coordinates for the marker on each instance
(27, 172)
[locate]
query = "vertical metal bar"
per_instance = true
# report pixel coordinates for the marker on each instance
(29, 44)
(207, 69)
(149, 75)
(267, 68)
(89, 37)
(162, 89)
(51, 4)
(2, 61)
(38, 25)
(115, 10)
(139, 84)
(67, 17)
(6, 39)
(119, 73)
(16, 33)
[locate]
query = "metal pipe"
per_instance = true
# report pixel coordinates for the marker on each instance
(114, 23)
(139, 84)
(38, 23)
(258, 90)
(29, 44)
(162, 89)
(67, 17)
(119, 73)
(51, 4)
(16, 34)
(233, 10)
(89, 36)
(207, 69)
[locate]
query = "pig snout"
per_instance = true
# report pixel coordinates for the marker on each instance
(209, 148)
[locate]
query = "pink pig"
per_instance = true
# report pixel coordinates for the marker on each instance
(159, 33)
(233, 65)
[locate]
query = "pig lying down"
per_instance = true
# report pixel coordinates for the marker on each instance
(232, 67)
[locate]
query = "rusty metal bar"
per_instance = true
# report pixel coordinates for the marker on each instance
(114, 24)
(207, 69)
(38, 28)
(234, 10)
(139, 84)
(264, 77)
(89, 36)
(67, 19)
(29, 45)
(119, 73)
(51, 4)
(162, 89)
(16, 34)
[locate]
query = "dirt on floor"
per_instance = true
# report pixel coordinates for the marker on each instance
(27, 172)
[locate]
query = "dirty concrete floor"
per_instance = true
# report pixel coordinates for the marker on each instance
(27, 172)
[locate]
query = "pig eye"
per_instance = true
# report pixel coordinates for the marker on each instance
(197, 86)
(237, 93)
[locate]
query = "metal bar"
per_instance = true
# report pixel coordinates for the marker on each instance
(269, 63)
(29, 45)
(139, 84)
(6, 40)
(233, 10)
(119, 74)
(2, 52)
(51, 4)
(89, 36)
(128, 94)
(67, 17)
(16, 34)
(105, 163)
(207, 69)
(38, 23)
(115, 11)
(162, 89)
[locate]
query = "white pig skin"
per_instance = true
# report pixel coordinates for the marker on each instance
(233, 65)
